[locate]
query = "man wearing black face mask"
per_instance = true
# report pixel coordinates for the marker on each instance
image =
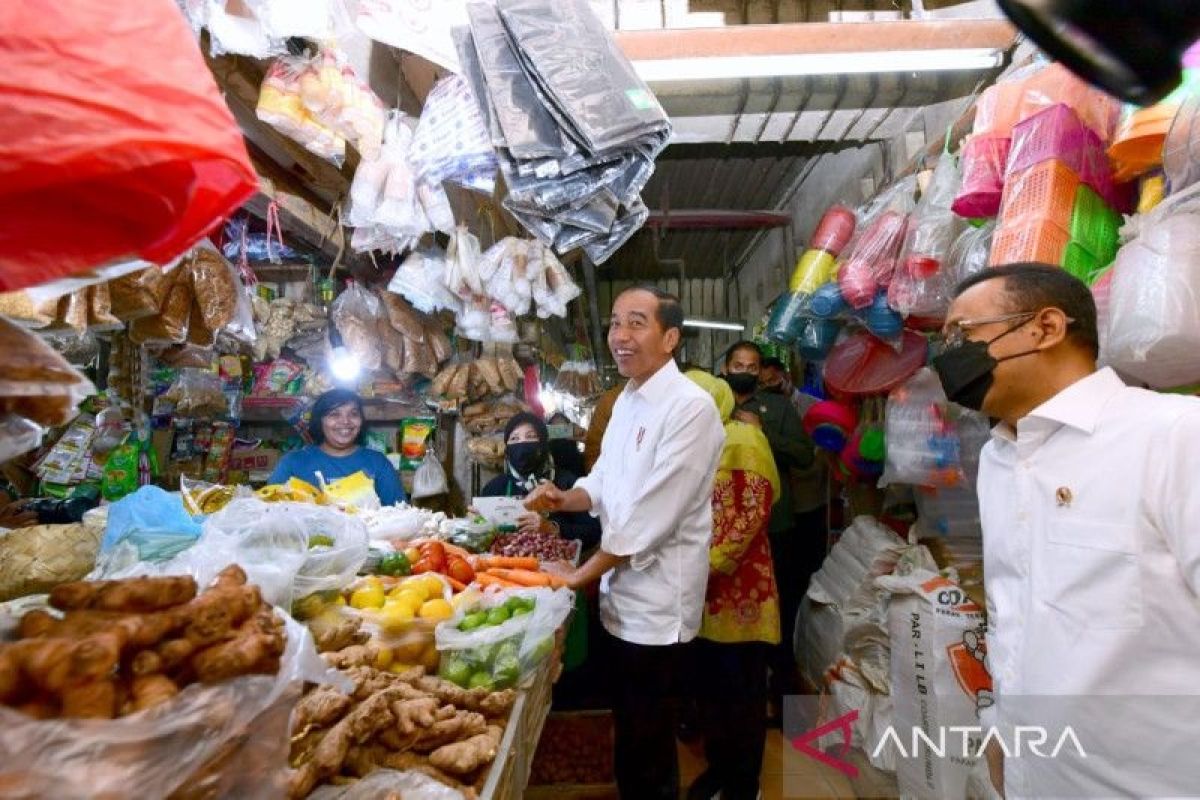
(1089, 499)
(793, 450)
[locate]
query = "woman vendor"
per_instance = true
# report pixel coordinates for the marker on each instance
(527, 462)
(336, 429)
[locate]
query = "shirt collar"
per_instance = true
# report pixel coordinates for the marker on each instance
(656, 386)
(1078, 406)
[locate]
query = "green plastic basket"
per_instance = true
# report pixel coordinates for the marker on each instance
(1081, 263)
(1094, 225)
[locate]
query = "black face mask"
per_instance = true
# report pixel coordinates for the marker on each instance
(526, 457)
(742, 383)
(966, 371)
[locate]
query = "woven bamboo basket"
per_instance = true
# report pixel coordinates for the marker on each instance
(34, 560)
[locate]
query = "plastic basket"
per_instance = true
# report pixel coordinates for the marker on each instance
(1056, 84)
(1043, 193)
(1094, 225)
(1042, 242)
(1078, 261)
(983, 165)
(997, 108)
(1055, 133)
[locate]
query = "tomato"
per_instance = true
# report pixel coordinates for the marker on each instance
(460, 570)
(433, 554)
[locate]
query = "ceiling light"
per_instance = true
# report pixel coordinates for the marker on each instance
(714, 324)
(797, 64)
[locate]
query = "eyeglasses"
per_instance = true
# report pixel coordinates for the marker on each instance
(956, 332)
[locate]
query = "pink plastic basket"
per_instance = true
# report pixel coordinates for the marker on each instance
(1055, 133)
(983, 160)
(1056, 84)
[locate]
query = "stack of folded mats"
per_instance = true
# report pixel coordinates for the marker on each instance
(576, 131)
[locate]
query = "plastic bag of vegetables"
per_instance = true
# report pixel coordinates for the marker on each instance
(499, 641)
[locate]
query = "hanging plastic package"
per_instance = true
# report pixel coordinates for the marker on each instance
(970, 252)
(451, 142)
(1154, 297)
(922, 282)
(430, 478)
(923, 445)
(148, 161)
(872, 256)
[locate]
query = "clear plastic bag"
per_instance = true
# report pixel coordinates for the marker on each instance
(281, 105)
(509, 652)
(35, 381)
(228, 739)
(356, 313)
(17, 435)
(451, 141)
(399, 208)
(170, 324)
(923, 444)
(387, 784)
(234, 26)
(197, 393)
(873, 255)
(1153, 331)
(429, 480)
(921, 283)
(436, 205)
(463, 257)
(420, 280)
(971, 250)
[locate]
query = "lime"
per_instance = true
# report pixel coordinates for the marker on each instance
(497, 616)
(480, 680)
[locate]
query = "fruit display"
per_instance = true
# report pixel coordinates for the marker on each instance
(121, 647)
(492, 666)
(542, 546)
(405, 720)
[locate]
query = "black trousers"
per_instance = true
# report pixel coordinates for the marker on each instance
(645, 682)
(796, 554)
(733, 712)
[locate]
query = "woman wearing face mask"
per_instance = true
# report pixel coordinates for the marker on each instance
(527, 462)
(336, 429)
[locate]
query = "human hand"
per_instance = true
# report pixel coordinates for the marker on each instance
(545, 498)
(531, 522)
(747, 417)
(15, 515)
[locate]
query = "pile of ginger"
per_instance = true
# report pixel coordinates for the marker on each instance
(124, 646)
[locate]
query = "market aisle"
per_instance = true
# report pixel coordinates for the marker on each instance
(817, 779)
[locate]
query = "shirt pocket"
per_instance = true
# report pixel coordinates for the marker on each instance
(1092, 574)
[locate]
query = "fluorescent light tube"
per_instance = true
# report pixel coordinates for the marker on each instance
(797, 64)
(715, 324)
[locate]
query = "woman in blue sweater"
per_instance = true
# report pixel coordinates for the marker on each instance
(336, 429)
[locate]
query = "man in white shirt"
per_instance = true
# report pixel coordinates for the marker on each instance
(1089, 495)
(652, 489)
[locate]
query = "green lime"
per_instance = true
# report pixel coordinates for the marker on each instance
(497, 616)
(480, 680)
(456, 671)
(473, 620)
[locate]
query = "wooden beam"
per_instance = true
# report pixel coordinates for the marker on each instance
(814, 37)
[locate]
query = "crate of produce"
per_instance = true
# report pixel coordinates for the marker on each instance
(1094, 225)
(575, 751)
(1044, 192)
(1042, 242)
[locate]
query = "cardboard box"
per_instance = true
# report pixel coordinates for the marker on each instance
(256, 459)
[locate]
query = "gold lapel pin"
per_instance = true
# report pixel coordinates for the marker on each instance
(1063, 496)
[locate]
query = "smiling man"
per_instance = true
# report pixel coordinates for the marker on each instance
(1089, 492)
(652, 489)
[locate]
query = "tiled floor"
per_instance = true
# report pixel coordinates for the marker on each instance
(803, 777)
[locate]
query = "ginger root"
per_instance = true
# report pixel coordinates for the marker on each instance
(359, 655)
(249, 651)
(370, 717)
(492, 704)
(150, 690)
(463, 725)
(414, 714)
(464, 757)
(321, 707)
(411, 762)
(92, 700)
(136, 595)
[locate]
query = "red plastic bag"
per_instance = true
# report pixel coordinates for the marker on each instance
(114, 140)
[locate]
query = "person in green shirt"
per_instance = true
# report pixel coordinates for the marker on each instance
(793, 450)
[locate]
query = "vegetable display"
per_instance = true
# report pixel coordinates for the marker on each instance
(121, 647)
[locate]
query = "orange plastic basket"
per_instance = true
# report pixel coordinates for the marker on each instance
(1043, 242)
(1044, 192)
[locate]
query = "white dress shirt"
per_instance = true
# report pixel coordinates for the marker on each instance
(1091, 526)
(652, 490)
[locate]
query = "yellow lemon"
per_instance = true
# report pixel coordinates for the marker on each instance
(395, 613)
(384, 659)
(434, 588)
(367, 597)
(436, 610)
(410, 598)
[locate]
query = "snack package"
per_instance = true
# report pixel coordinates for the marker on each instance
(139, 294)
(35, 381)
(170, 325)
(415, 434)
(353, 492)
(197, 393)
(356, 313)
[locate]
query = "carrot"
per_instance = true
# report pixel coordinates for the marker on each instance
(527, 577)
(505, 562)
(457, 586)
(455, 550)
(487, 579)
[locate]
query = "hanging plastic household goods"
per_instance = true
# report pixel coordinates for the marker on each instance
(861, 364)
(1153, 316)
(919, 285)
(1044, 192)
(923, 446)
(873, 260)
(1043, 242)
(983, 163)
(1055, 133)
(147, 161)
(1095, 226)
(997, 109)
(1080, 262)
(829, 424)
(834, 231)
(1056, 84)
(883, 321)
(816, 337)
(827, 302)
(814, 268)
(1181, 150)
(787, 317)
